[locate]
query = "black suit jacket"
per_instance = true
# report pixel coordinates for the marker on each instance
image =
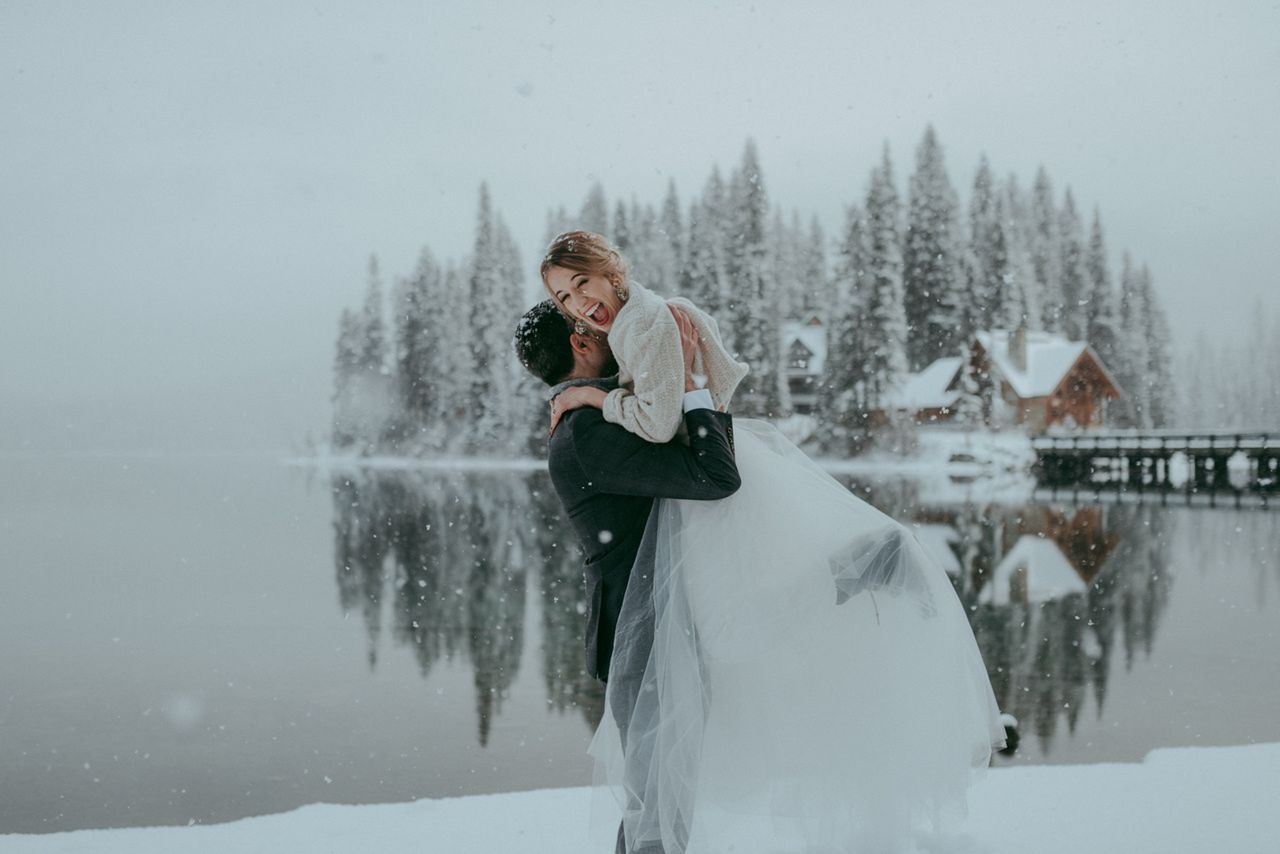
(607, 478)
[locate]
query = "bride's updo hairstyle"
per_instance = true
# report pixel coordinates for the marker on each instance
(585, 252)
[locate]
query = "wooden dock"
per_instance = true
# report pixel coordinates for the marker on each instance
(1162, 461)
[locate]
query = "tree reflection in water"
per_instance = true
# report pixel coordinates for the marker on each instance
(1052, 592)
(461, 546)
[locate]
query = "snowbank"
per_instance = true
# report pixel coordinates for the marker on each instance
(1177, 800)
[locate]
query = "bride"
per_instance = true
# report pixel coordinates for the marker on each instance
(813, 683)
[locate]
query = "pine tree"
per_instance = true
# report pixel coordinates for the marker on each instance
(363, 402)
(989, 247)
(1074, 276)
(455, 368)
(716, 225)
(622, 239)
(669, 237)
(886, 321)
(594, 215)
(700, 276)
(1162, 392)
(417, 340)
(783, 260)
(487, 330)
(1046, 253)
(931, 285)
(969, 406)
(1132, 355)
(1023, 304)
(346, 366)
(642, 257)
(842, 404)
(818, 294)
(373, 353)
(752, 300)
(1102, 317)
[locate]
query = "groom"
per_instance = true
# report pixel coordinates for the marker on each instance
(607, 480)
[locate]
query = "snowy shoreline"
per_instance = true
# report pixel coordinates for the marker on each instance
(959, 452)
(1187, 799)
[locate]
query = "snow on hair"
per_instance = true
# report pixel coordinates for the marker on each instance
(584, 252)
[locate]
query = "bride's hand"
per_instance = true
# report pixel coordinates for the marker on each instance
(689, 342)
(574, 398)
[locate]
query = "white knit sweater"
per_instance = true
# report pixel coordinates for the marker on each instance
(646, 344)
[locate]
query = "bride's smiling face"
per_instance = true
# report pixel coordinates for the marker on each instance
(589, 297)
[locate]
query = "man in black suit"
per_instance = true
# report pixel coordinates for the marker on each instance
(607, 479)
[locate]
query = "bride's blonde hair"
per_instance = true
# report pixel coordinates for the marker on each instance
(585, 252)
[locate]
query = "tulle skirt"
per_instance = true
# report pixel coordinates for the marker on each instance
(796, 674)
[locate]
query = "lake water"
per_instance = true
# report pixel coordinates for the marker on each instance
(201, 639)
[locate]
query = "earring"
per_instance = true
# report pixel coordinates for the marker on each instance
(620, 291)
(580, 328)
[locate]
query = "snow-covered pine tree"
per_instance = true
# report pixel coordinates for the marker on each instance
(1103, 315)
(782, 268)
(417, 335)
(1074, 277)
(1023, 306)
(669, 238)
(453, 408)
(489, 334)
(346, 367)
(594, 214)
(969, 406)
(885, 330)
(374, 352)
(700, 276)
(818, 294)
(363, 394)
(752, 300)
(622, 239)
(989, 247)
(524, 407)
(1162, 397)
(970, 315)
(841, 404)
(716, 225)
(644, 257)
(1132, 354)
(1046, 253)
(931, 287)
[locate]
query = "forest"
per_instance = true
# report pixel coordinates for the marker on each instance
(429, 370)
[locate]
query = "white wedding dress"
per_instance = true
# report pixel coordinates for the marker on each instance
(813, 683)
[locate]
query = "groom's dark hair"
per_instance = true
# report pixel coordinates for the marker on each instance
(542, 343)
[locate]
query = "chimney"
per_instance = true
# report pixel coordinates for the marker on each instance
(1018, 346)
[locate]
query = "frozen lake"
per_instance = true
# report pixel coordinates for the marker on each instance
(202, 639)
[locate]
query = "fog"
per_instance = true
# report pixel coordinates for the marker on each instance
(191, 194)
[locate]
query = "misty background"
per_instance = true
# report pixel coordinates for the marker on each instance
(191, 194)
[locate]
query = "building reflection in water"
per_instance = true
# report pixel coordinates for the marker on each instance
(1053, 593)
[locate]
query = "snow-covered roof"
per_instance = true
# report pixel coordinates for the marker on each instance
(928, 389)
(1049, 575)
(812, 337)
(1049, 357)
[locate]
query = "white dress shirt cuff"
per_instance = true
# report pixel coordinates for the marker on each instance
(699, 398)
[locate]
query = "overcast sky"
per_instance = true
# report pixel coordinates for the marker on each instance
(191, 191)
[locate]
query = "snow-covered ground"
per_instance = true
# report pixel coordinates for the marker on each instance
(1178, 800)
(957, 451)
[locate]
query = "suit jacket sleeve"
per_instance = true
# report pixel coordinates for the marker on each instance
(621, 463)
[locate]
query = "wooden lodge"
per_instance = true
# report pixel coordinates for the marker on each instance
(1032, 380)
